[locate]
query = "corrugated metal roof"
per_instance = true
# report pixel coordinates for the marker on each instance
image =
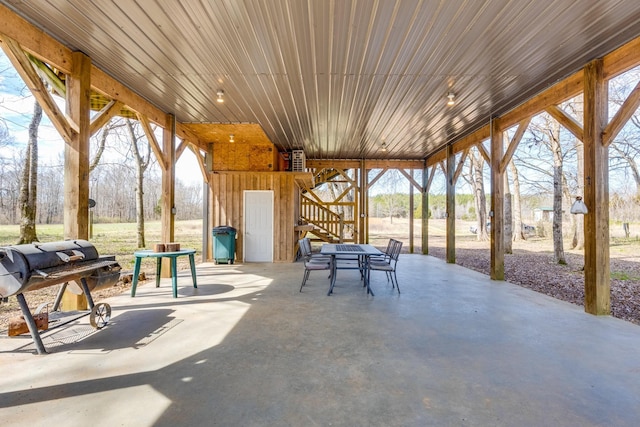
(337, 77)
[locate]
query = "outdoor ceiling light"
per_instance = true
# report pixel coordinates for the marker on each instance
(451, 97)
(231, 138)
(383, 147)
(220, 94)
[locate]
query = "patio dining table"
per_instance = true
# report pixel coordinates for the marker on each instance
(363, 251)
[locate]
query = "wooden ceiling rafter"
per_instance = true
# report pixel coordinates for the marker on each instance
(153, 142)
(25, 69)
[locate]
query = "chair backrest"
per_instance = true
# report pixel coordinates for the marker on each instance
(395, 250)
(305, 250)
(307, 245)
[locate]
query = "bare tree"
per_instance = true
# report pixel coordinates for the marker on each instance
(518, 229)
(142, 161)
(29, 181)
(475, 177)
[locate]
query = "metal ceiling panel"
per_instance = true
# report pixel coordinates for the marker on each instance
(336, 78)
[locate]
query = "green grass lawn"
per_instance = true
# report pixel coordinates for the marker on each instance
(116, 239)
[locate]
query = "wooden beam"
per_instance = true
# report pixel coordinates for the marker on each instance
(568, 122)
(450, 245)
(430, 178)
(437, 157)
(76, 153)
(460, 165)
(497, 204)
(376, 178)
(483, 152)
(107, 113)
(596, 193)
(181, 147)
(369, 164)
(515, 141)
(34, 40)
(626, 111)
(622, 59)
(201, 163)
(153, 142)
(556, 94)
(25, 69)
(411, 180)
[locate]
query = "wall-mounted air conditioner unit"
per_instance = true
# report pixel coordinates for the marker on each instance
(298, 163)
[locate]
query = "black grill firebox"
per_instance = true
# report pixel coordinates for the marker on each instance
(25, 268)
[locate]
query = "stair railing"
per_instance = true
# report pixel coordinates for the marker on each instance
(322, 217)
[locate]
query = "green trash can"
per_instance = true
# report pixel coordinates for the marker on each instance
(224, 244)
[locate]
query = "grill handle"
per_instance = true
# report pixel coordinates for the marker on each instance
(77, 255)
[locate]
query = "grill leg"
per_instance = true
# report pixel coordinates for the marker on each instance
(87, 293)
(56, 304)
(31, 324)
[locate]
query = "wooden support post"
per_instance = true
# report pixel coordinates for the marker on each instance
(451, 207)
(76, 159)
(362, 221)
(425, 210)
(76, 153)
(411, 207)
(596, 193)
(497, 203)
(167, 218)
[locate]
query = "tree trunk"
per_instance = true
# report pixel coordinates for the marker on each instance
(140, 206)
(141, 166)
(508, 219)
(518, 233)
(29, 182)
(477, 163)
(558, 247)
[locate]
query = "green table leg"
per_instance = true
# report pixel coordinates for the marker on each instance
(134, 281)
(158, 270)
(193, 270)
(174, 276)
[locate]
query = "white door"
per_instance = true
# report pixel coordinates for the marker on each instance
(258, 226)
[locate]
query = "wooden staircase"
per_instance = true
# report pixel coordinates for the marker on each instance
(328, 225)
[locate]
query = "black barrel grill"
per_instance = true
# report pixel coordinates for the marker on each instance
(25, 268)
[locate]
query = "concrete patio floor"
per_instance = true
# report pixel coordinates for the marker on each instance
(247, 349)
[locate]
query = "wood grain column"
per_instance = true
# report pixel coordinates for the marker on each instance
(362, 221)
(167, 218)
(76, 163)
(451, 206)
(497, 203)
(425, 210)
(596, 193)
(76, 153)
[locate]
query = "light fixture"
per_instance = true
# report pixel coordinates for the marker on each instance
(220, 94)
(578, 207)
(383, 147)
(451, 97)
(231, 138)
